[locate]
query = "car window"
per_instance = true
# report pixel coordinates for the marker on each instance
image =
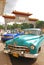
(34, 32)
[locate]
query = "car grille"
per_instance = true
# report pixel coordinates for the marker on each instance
(17, 48)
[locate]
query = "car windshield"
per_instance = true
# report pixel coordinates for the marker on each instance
(10, 31)
(33, 32)
(13, 31)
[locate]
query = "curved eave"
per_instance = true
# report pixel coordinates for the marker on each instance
(21, 13)
(33, 19)
(8, 16)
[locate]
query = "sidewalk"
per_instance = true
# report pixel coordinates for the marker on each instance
(4, 58)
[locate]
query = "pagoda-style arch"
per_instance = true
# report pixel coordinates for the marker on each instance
(8, 18)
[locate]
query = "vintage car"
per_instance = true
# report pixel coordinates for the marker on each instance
(26, 45)
(10, 35)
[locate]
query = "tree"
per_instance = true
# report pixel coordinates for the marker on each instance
(31, 25)
(9, 27)
(1, 27)
(40, 24)
(26, 25)
(15, 25)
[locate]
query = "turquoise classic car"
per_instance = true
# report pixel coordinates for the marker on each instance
(26, 45)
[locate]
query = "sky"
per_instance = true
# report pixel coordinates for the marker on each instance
(10, 5)
(36, 7)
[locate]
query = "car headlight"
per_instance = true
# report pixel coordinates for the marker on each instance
(32, 47)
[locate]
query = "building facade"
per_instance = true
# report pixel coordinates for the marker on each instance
(21, 17)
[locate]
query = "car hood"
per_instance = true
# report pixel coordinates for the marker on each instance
(26, 40)
(28, 37)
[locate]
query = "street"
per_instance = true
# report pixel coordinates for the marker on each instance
(4, 58)
(10, 60)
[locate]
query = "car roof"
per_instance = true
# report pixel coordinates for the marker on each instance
(8, 34)
(32, 29)
(11, 34)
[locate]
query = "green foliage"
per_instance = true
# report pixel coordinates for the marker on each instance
(1, 27)
(40, 24)
(9, 27)
(15, 25)
(31, 26)
(21, 26)
(26, 25)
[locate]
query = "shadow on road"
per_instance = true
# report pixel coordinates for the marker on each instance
(21, 61)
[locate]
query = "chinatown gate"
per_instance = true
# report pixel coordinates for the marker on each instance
(19, 17)
(16, 17)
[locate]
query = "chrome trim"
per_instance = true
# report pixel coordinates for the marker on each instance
(17, 48)
(6, 51)
(21, 53)
(31, 55)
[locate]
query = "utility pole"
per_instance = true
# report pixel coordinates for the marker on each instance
(2, 6)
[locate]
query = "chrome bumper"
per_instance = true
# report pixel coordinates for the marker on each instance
(6, 51)
(27, 55)
(31, 55)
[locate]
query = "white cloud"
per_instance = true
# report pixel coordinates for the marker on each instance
(33, 6)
